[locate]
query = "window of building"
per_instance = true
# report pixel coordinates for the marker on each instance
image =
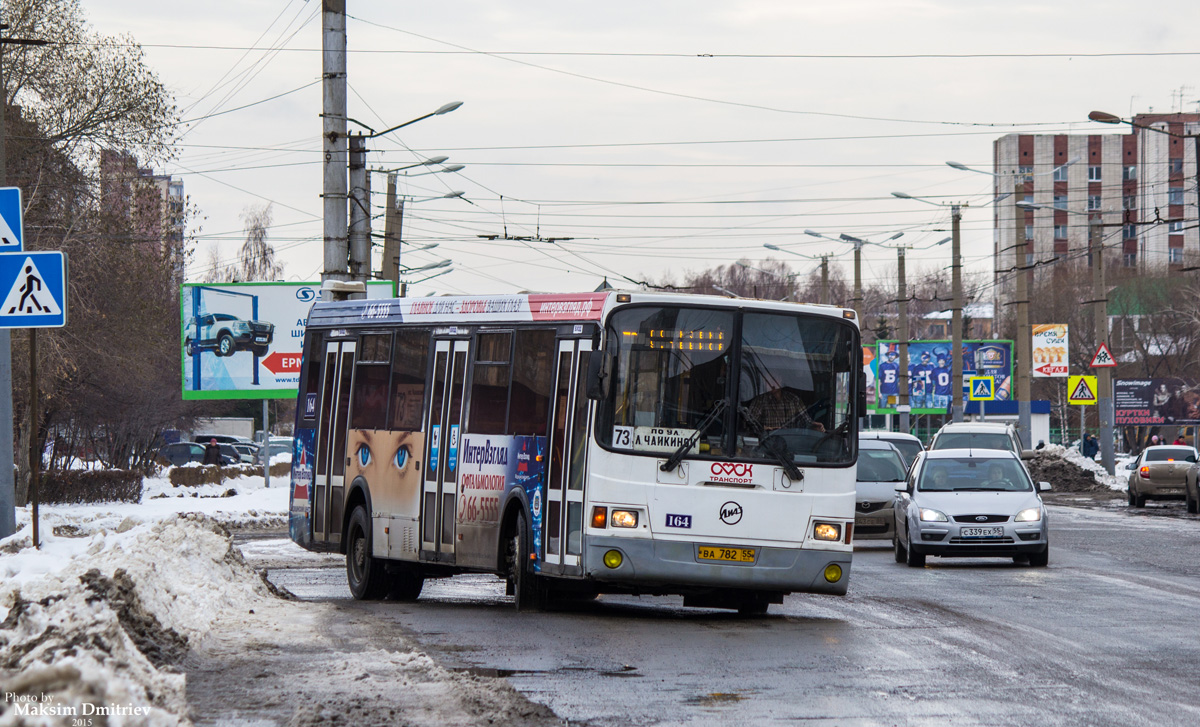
(1174, 254)
(1093, 174)
(1177, 166)
(1028, 259)
(1060, 201)
(1129, 202)
(1028, 232)
(1060, 232)
(1026, 173)
(1060, 174)
(1129, 173)
(1027, 199)
(1175, 195)
(1093, 202)
(409, 360)
(1130, 232)
(1129, 259)
(1175, 226)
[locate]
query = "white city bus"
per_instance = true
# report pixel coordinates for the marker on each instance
(578, 444)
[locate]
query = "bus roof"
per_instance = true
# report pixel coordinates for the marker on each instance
(519, 307)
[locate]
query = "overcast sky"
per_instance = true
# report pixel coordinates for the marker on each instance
(662, 136)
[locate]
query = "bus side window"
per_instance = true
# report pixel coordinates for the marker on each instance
(489, 383)
(368, 408)
(409, 359)
(532, 382)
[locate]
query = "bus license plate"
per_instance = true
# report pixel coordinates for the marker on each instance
(982, 532)
(733, 555)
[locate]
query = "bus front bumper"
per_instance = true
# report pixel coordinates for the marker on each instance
(670, 565)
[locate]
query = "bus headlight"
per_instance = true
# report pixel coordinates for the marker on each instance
(624, 519)
(827, 531)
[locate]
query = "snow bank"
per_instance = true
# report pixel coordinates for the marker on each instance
(96, 624)
(1118, 481)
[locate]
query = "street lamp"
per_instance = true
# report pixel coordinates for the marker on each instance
(824, 268)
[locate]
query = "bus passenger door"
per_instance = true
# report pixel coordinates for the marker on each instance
(329, 470)
(440, 483)
(563, 535)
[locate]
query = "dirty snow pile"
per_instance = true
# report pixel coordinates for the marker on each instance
(1069, 471)
(98, 620)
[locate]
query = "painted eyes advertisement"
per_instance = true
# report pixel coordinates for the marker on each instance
(930, 373)
(244, 340)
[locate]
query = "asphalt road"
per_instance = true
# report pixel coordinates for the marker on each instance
(1106, 635)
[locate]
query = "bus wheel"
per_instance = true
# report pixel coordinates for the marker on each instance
(364, 574)
(528, 592)
(405, 585)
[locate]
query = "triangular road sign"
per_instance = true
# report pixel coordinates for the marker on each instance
(1103, 358)
(10, 219)
(29, 295)
(1082, 390)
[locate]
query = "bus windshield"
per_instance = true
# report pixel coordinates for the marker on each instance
(730, 384)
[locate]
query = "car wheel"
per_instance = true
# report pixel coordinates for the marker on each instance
(364, 574)
(914, 560)
(1193, 504)
(528, 592)
(901, 553)
(260, 351)
(190, 347)
(1040, 560)
(225, 345)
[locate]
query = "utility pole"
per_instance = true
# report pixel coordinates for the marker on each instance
(956, 362)
(1024, 340)
(1100, 318)
(824, 280)
(333, 134)
(858, 282)
(393, 225)
(902, 302)
(360, 210)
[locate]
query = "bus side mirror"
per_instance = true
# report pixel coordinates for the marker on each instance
(598, 375)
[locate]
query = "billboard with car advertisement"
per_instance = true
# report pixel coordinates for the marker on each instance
(930, 373)
(243, 340)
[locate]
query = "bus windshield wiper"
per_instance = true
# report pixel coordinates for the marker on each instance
(674, 460)
(784, 457)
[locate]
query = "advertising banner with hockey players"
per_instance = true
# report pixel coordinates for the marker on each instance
(930, 373)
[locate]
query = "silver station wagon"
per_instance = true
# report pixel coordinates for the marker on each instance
(970, 503)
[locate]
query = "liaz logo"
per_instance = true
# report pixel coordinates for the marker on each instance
(731, 513)
(732, 472)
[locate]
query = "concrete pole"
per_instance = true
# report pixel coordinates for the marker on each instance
(333, 133)
(956, 362)
(1104, 375)
(824, 280)
(1024, 334)
(393, 221)
(902, 302)
(858, 297)
(360, 210)
(8, 515)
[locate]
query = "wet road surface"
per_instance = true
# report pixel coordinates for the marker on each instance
(1105, 635)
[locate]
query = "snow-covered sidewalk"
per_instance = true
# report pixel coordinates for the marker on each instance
(104, 618)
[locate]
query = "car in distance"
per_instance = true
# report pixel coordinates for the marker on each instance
(970, 503)
(1160, 473)
(980, 435)
(880, 467)
(909, 445)
(225, 334)
(181, 453)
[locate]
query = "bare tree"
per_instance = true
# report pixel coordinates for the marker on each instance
(256, 260)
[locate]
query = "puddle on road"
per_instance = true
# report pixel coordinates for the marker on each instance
(484, 671)
(714, 699)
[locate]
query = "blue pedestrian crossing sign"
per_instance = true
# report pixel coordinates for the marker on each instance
(12, 232)
(34, 286)
(983, 388)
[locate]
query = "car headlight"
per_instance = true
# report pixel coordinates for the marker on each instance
(933, 516)
(1030, 515)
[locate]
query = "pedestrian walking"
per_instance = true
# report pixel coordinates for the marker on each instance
(212, 453)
